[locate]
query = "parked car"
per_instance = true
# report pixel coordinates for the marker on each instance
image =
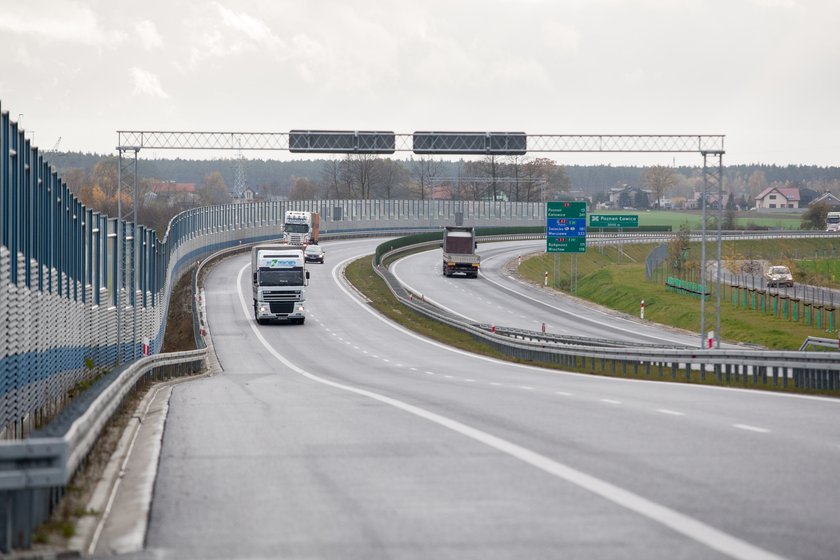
(314, 253)
(779, 276)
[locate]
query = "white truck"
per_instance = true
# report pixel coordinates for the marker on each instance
(301, 228)
(279, 278)
(459, 256)
(832, 221)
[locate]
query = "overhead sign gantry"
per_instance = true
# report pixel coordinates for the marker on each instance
(710, 146)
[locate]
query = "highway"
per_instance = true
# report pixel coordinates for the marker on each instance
(348, 437)
(498, 298)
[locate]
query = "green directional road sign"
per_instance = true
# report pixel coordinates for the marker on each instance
(613, 221)
(565, 245)
(565, 227)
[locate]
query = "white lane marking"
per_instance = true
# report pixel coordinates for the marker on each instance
(413, 368)
(564, 393)
(610, 401)
(430, 372)
(751, 428)
(588, 376)
(608, 318)
(448, 376)
(495, 384)
(526, 387)
(681, 523)
(470, 380)
(671, 412)
(386, 360)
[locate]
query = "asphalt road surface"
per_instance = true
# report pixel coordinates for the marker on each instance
(497, 297)
(348, 437)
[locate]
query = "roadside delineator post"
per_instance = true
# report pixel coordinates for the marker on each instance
(642, 310)
(545, 279)
(492, 328)
(518, 260)
(711, 336)
(543, 328)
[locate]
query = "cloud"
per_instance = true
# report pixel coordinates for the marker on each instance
(775, 3)
(148, 35)
(68, 22)
(224, 32)
(146, 83)
(256, 30)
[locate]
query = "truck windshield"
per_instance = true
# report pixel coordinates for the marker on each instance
(290, 277)
(833, 218)
(297, 228)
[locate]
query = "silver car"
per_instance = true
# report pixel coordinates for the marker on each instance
(779, 276)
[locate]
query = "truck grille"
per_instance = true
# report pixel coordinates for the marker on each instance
(282, 306)
(291, 296)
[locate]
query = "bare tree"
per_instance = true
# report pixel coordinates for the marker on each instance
(659, 179)
(492, 170)
(389, 178)
(303, 188)
(424, 169)
(361, 170)
(515, 164)
(330, 176)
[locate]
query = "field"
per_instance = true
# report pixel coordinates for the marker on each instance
(694, 219)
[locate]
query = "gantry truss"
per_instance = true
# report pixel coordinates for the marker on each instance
(446, 142)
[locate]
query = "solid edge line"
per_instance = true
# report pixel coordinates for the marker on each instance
(683, 524)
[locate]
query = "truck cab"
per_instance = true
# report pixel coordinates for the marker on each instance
(301, 228)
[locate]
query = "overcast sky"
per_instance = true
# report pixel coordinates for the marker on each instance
(766, 73)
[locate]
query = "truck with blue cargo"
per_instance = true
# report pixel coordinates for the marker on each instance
(279, 280)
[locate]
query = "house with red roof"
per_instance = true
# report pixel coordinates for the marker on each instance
(173, 193)
(775, 198)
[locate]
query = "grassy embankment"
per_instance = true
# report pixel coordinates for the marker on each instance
(612, 279)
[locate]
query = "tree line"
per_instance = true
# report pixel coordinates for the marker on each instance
(93, 178)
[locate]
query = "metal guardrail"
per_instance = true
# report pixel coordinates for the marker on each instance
(814, 371)
(34, 471)
(818, 341)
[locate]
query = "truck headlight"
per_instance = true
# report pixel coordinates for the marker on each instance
(262, 309)
(300, 309)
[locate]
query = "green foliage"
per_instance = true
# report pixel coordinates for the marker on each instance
(678, 248)
(814, 217)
